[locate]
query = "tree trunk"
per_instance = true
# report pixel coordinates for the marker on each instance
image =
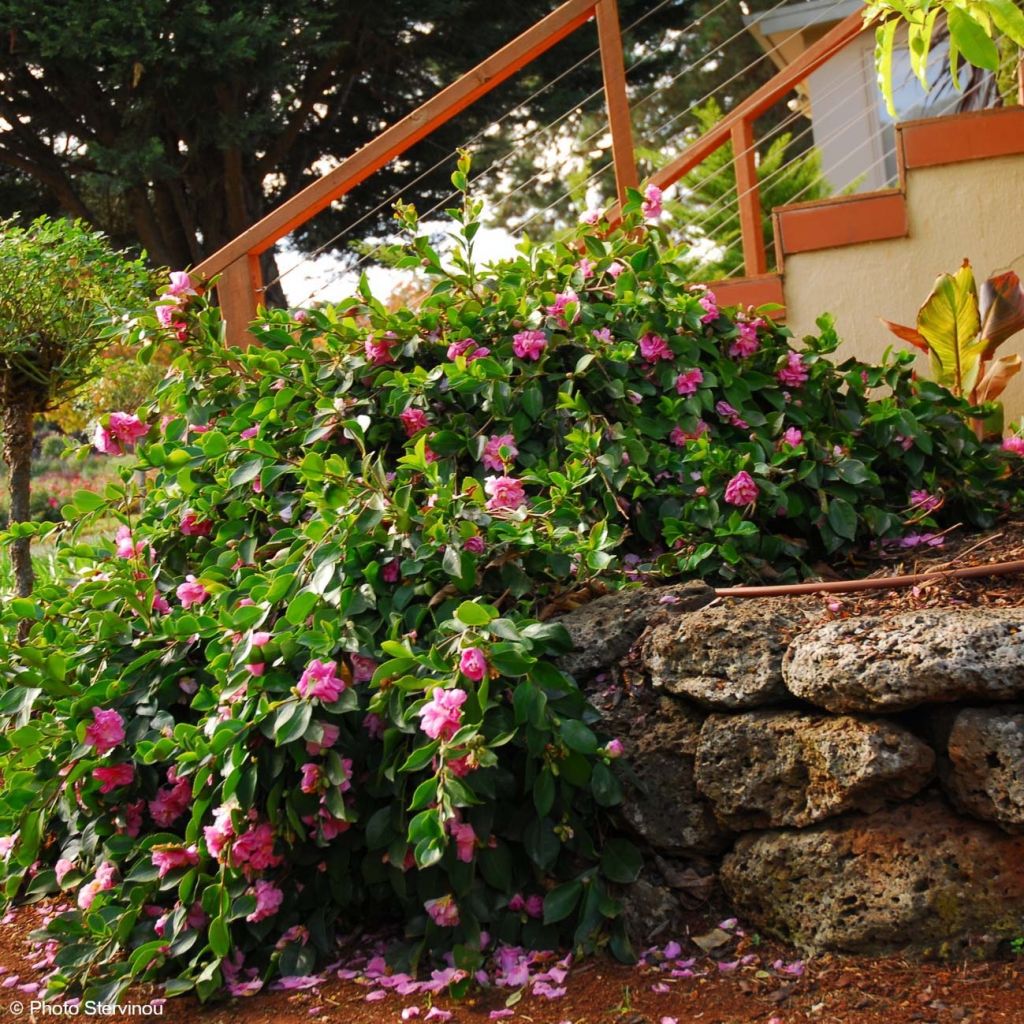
(18, 420)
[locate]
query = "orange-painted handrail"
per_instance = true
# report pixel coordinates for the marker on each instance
(237, 264)
(737, 127)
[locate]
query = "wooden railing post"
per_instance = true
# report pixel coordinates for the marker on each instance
(749, 198)
(616, 100)
(239, 290)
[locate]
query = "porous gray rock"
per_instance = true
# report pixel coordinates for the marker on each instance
(650, 911)
(892, 663)
(917, 878)
(604, 630)
(660, 799)
(727, 656)
(986, 765)
(764, 769)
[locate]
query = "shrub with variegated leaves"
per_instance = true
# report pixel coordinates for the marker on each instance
(311, 682)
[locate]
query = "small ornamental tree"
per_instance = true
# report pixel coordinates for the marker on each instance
(312, 681)
(60, 284)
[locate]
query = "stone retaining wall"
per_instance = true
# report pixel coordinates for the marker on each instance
(853, 784)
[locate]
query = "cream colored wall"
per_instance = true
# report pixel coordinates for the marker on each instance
(973, 209)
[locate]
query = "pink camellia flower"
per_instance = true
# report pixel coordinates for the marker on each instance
(192, 526)
(792, 436)
(681, 438)
(113, 776)
(746, 344)
(558, 307)
(329, 736)
(62, 869)
(414, 420)
(688, 381)
(741, 489)
(160, 604)
(442, 716)
(727, 412)
(105, 731)
(167, 309)
(654, 347)
(132, 816)
(922, 501)
(444, 911)
(615, 269)
(591, 216)
(120, 434)
(391, 571)
(374, 726)
(604, 335)
(170, 858)
(460, 767)
(529, 344)
(709, 303)
(255, 848)
(474, 545)
(614, 748)
(794, 373)
(126, 546)
(362, 668)
(460, 348)
(320, 680)
(1013, 444)
(535, 905)
(378, 351)
(505, 492)
(268, 900)
(473, 664)
(310, 778)
(220, 833)
(467, 348)
(104, 881)
(181, 284)
(191, 592)
(492, 456)
(249, 433)
(465, 840)
(260, 638)
(651, 207)
(585, 267)
(171, 802)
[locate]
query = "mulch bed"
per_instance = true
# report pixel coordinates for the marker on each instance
(745, 980)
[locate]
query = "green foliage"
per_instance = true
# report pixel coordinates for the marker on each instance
(976, 29)
(61, 288)
(319, 654)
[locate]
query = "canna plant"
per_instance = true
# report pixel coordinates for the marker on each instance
(961, 331)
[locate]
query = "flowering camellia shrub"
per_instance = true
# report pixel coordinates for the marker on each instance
(311, 681)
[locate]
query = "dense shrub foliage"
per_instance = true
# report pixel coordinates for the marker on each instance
(312, 680)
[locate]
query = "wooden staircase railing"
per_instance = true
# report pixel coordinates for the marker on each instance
(237, 264)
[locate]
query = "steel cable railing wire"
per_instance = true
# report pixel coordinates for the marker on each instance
(675, 117)
(732, 197)
(820, 178)
(489, 128)
(533, 134)
(696, 103)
